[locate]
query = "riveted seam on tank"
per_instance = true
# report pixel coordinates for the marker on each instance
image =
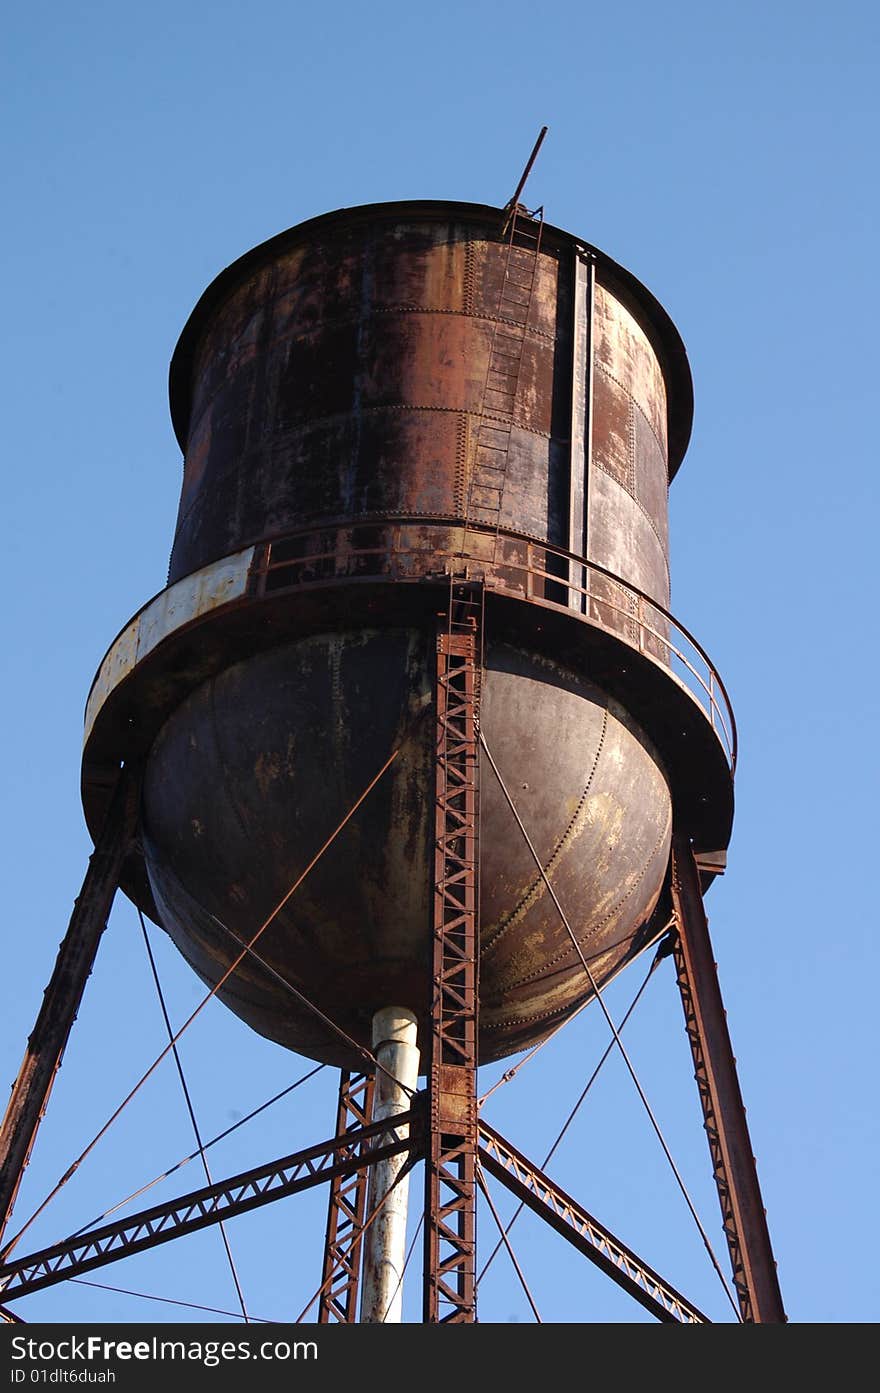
(459, 489)
(597, 464)
(628, 939)
(463, 411)
(508, 985)
(529, 330)
(470, 277)
(559, 1012)
(553, 1011)
(309, 421)
(597, 928)
(647, 420)
(631, 446)
(531, 895)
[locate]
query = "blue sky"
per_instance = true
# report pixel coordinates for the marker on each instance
(727, 156)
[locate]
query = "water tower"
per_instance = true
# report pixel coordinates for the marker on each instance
(410, 757)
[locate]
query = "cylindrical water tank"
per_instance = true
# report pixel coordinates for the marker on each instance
(368, 403)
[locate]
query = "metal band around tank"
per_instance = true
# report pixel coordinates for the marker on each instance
(188, 599)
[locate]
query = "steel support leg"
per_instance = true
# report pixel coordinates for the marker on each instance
(346, 1209)
(736, 1176)
(450, 1164)
(61, 1000)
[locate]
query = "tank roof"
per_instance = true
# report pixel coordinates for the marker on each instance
(664, 336)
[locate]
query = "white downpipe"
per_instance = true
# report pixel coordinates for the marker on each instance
(394, 1045)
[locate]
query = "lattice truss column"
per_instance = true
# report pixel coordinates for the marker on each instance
(450, 1169)
(346, 1210)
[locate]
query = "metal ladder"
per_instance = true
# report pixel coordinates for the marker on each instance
(491, 455)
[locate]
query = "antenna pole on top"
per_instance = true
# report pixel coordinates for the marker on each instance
(513, 201)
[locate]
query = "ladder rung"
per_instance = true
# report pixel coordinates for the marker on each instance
(515, 344)
(521, 259)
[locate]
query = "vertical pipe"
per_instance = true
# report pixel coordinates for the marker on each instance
(397, 1055)
(590, 426)
(580, 336)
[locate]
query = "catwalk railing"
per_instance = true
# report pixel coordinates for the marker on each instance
(412, 549)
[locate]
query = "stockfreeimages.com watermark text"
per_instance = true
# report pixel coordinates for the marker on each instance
(31, 1357)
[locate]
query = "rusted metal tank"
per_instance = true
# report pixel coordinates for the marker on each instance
(369, 403)
(347, 370)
